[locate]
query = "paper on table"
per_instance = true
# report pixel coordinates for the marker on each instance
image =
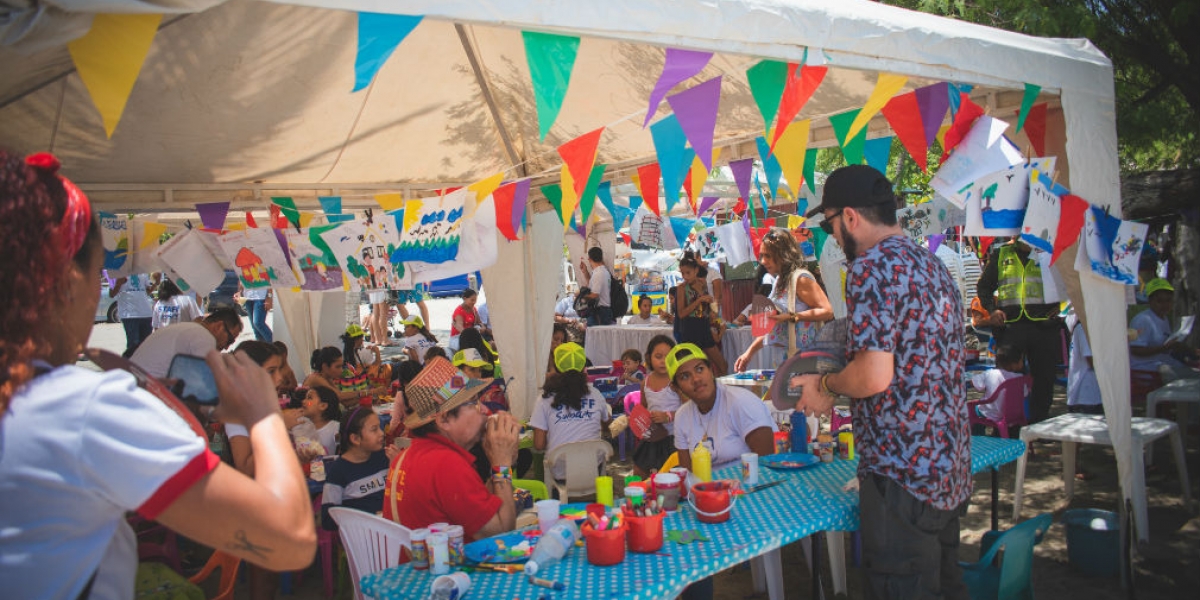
(1185, 328)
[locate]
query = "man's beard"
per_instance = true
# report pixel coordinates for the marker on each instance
(849, 244)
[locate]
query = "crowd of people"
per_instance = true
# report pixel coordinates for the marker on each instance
(449, 449)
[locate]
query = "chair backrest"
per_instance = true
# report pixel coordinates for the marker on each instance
(228, 564)
(1016, 567)
(1011, 396)
(632, 399)
(372, 543)
(1142, 383)
(582, 461)
(536, 488)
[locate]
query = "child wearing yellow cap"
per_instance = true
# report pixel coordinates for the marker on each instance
(570, 409)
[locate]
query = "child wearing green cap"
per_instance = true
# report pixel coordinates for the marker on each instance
(570, 409)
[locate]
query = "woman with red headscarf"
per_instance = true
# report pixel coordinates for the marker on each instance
(80, 448)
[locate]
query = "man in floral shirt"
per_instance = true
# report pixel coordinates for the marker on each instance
(906, 375)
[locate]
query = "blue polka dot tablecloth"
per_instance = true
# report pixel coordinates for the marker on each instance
(809, 501)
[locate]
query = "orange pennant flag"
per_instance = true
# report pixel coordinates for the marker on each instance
(578, 157)
(109, 57)
(796, 95)
(647, 183)
(903, 113)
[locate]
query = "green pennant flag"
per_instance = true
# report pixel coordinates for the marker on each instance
(287, 206)
(810, 169)
(852, 148)
(553, 194)
(818, 241)
(767, 80)
(551, 59)
(1031, 94)
(588, 200)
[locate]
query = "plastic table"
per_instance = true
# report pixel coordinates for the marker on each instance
(1181, 391)
(1073, 429)
(605, 343)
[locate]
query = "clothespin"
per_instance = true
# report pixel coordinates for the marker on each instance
(370, 216)
(188, 223)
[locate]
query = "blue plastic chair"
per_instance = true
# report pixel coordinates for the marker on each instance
(1011, 576)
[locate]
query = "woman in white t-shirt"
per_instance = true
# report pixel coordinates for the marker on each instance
(729, 421)
(173, 306)
(571, 410)
(643, 316)
(82, 449)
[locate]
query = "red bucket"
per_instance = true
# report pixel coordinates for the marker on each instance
(604, 547)
(713, 501)
(645, 533)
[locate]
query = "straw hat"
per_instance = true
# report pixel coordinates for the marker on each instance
(437, 389)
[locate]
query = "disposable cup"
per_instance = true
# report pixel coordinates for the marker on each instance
(604, 490)
(547, 513)
(667, 486)
(749, 469)
(454, 585)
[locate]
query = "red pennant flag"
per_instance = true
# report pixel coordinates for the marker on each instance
(756, 238)
(796, 95)
(968, 112)
(579, 155)
(1035, 128)
(503, 200)
(278, 221)
(768, 223)
(648, 176)
(628, 240)
(904, 115)
(985, 242)
(1070, 223)
(250, 220)
(687, 187)
(740, 207)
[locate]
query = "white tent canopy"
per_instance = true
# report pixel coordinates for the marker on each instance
(247, 99)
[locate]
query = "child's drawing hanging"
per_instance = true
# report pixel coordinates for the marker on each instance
(431, 230)
(258, 258)
(477, 246)
(114, 233)
(344, 242)
(997, 201)
(1110, 247)
(1040, 227)
(315, 259)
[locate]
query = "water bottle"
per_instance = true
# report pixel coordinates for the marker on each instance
(702, 462)
(553, 545)
(799, 432)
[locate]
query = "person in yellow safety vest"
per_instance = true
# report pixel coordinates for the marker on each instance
(1010, 289)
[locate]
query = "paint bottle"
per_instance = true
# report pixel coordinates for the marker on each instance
(702, 462)
(799, 432)
(420, 549)
(439, 553)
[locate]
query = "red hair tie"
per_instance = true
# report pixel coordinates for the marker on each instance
(77, 218)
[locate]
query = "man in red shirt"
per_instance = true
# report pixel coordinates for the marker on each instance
(434, 480)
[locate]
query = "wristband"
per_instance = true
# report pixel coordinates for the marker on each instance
(825, 385)
(505, 472)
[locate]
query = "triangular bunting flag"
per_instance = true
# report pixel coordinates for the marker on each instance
(389, 202)
(647, 182)
(588, 199)
(886, 86)
(688, 191)
(682, 228)
(742, 169)
(877, 152)
(485, 187)
(250, 222)
(935, 240)
(109, 57)
(968, 112)
(1035, 128)
(331, 205)
(699, 175)
(554, 196)
(954, 92)
(933, 101)
(578, 157)
(604, 192)
(799, 89)
(1070, 223)
(680, 66)
(674, 157)
(767, 80)
(852, 147)
(705, 204)
(810, 168)
(306, 218)
(551, 59)
(771, 165)
(503, 201)
(635, 202)
(212, 214)
(739, 208)
(152, 232)
(621, 216)
(570, 200)
(789, 151)
(378, 36)
(696, 110)
(1031, 94)
(287, 206)
(278, 221)
(903, 113)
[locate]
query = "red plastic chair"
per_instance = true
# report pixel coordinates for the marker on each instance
(1011, 398)
(228, 564)
(1142, 383)
(629, 399)
(164, 549)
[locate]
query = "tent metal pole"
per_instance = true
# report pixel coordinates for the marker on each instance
(486, 90)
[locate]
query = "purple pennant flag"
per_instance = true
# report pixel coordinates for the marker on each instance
(680, 66)
(705, 204)
(932, 101)
(212, 214)
(746, 220)
(696, 110)
(520, 196)
(935, 240)
(741, 174)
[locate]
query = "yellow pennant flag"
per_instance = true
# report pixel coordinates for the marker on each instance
(795, 221)
(885, 88)
(151, 232)
(569, 200)
(235, 226)
(790, 151)
(109, 58)
(306, 219)
(700, 175)
(482, 188)
(389, 202)
(941, 134)
(412, 213)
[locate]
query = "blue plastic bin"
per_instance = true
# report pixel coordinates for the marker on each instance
(1094, 541)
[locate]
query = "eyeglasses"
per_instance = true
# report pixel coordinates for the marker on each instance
(827, 224)
(230, 336)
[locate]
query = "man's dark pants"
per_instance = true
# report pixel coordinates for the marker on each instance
(1041, 342)
(136, 332)
(910, 549)
(601, 315)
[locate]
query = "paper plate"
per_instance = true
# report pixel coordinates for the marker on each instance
(784, 393)
(790, 461)
(511, 547)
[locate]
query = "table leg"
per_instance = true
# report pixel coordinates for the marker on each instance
(836, 540)
(1177, 438)
(1141, 516)
(1181, 417)
(816, 568)
(995, 498)
(757, 576)
(1019, 486)
(1069, 450)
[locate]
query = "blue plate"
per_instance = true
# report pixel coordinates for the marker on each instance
(790, 461)
(511, 547)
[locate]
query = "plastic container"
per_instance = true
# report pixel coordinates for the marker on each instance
(667, 486)
(605, 547)
(645, 534)
(799, 436)
(439, 553)
(713, 501)
(450, 587)
(454, 535)
(553, 545)
(420, 549)
(1094, 541)
(702, 462)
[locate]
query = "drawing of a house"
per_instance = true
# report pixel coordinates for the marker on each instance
(253, 271)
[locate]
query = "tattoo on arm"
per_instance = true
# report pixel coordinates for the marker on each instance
(241, 544)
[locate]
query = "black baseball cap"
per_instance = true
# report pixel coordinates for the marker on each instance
(854, 186)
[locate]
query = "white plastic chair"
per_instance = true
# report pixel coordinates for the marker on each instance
(372, 543)
(583, 460)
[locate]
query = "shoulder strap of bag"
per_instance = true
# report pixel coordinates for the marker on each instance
(391, 481)
(791, 302)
